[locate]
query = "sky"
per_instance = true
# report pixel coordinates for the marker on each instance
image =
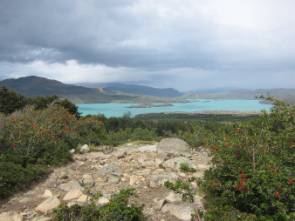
(185, 44)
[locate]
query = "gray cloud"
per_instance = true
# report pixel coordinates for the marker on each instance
(200, 42)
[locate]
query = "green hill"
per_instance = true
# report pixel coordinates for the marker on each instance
(135, 89)
(37, 86)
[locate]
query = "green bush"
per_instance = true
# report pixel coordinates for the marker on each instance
(41, 134)
(11, 101)
(254, 168)
(91, 130)
(31, 140)
(185, 167)
(118, 209)
(182, 187)
(15, 177)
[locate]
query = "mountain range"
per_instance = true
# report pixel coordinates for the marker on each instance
(279, 93)
(121, 92)
(39, 86)
(135, 89)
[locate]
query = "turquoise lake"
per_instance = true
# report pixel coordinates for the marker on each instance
(202, 105)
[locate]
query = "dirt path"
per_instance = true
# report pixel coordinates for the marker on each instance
(143, 167)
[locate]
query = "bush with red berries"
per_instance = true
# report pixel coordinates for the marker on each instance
(254, 169)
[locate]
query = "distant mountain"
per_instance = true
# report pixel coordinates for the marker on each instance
(137, 89)
(38, 86)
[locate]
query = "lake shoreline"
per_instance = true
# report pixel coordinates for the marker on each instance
(189, 107)
(204, 113)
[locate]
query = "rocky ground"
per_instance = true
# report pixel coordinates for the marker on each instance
(143, 167)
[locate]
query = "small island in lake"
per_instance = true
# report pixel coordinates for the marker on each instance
(149, 105)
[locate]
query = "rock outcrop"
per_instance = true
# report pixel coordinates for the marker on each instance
(174, 146)
(143, 167)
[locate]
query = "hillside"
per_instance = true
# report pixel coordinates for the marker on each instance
(137, 89)
(150, 169)
(38, 86)
(280, 93)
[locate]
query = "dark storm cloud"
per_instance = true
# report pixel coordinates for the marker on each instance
(196, 40)
(71, 28)
(107, 32)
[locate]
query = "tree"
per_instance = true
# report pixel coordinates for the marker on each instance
(11, 101)
(69, 106)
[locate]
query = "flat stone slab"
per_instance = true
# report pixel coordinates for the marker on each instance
(48, 205)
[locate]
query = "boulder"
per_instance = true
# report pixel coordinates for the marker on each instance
(83, 199)
(84, 149)
(72, 194)
(87, 180)
(174, 146)
(72, 151)
(102, 201)
(47, 194)
(48, 205)
(11, 216)
(71, 185)
(182, 211)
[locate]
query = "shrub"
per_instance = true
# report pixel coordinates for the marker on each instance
(10, 101)
(143, 134)
(69, 106)
(40, 103)
(184, 167)
(41, 134)
(30, 141)
(91, 130)
(118, 209)
(253, 172)
(182, 187)
(14, 177)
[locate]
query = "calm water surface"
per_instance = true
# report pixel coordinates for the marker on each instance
(119, 109)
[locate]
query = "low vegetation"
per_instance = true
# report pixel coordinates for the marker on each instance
(254, 167)
(182, 187)
(252, 177)
(118, 209)
(31, 141)
(11, 102)
(185, 167)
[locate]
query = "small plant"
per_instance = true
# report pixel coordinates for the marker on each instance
(182, 187)
(93, 196)
(186, 168)
(118, 209)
